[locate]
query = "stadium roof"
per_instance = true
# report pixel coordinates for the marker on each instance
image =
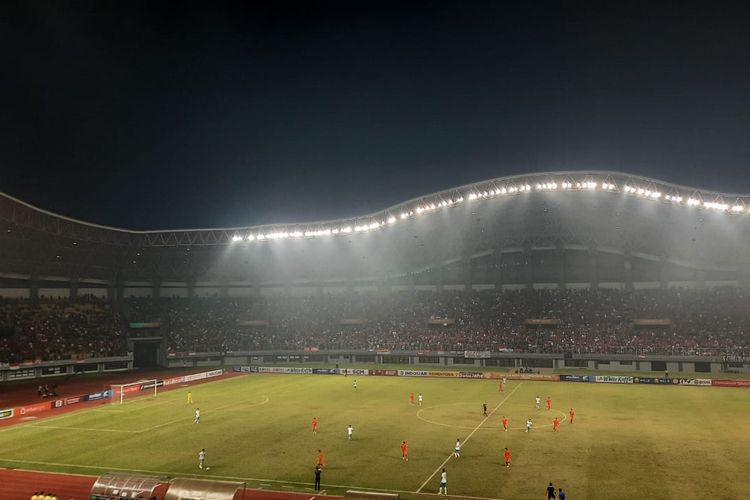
(593, 211)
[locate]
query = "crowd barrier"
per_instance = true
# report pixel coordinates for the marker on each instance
(598, 379)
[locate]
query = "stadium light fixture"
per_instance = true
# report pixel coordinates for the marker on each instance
(236, 238)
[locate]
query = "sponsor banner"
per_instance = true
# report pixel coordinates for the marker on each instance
(355, 371)
(101, 395)
(58, 403)
(214, 373)
(18, 373)
(36, 408)
(477, 354)
(441, 373)
(195, 376)
(150, 385)
(471, 375)
(72, 401)
(175, 380)
(129, 389)
(6, 413)
(244, 369)
(692, 381)
(730, 383)
(576, 378)
(651, 380)
(531, 376)
(613, 379)
(413, 373)
(385, 373)
(325, 371)
(281, 369)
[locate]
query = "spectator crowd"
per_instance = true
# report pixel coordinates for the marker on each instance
(705, 322)
(687, 322)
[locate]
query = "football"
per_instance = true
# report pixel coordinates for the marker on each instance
(208, 468)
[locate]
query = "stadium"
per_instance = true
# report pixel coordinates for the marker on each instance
(592, 276)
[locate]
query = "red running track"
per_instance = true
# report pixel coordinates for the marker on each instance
(21, 484)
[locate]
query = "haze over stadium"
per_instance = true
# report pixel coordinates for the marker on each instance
(205, 208)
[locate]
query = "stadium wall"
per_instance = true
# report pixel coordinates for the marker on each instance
(510, 361)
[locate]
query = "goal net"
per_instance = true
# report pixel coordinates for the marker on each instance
(122, 392)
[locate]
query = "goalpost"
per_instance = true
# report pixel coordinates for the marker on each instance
(133, 389)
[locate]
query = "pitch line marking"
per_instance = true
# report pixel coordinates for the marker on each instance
(469, 436)
(188, 474)
(147, 429)
(74, 413)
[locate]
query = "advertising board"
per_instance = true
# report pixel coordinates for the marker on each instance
(614, 379)
(730, 383)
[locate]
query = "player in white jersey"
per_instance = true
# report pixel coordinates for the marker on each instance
(538, 402)
(197, 415)
(457, 449)
(529, 423)
(420, 399)
(350, 431)
(201, 457)
(443, 483)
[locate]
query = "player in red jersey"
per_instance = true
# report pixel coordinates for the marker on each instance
(411, 397)
(505, 423)
(315, 425)
(549, 402)
(507, 457)
(404, 451)
(321, 459)
(555, 424)
(572, 415)
(501, 387)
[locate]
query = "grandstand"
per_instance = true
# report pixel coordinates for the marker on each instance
(545, 270)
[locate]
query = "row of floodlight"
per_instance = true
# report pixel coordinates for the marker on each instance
(490, 193)
(691, 202)
(358, 228)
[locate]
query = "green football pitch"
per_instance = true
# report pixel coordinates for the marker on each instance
(647, 442)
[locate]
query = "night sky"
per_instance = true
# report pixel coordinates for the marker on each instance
(159, 116)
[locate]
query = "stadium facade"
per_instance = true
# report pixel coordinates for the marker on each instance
(554, 229)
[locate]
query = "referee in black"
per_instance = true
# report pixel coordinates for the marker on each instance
(317, 478)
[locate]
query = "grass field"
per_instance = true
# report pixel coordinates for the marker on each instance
(647, 442)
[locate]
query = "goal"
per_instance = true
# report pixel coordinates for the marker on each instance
(121, 392)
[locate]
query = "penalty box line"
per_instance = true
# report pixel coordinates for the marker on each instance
(469, 437)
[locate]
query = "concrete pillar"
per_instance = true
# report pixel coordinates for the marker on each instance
(467, 273)
(498, 267)
(156, 288)
(561, 271)
(663, 278)
(75, 282)
(628, 270)
(34, 287)
(700, 279)
(190, 288)
(743, 277)
(594, 269)
(529, 265)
